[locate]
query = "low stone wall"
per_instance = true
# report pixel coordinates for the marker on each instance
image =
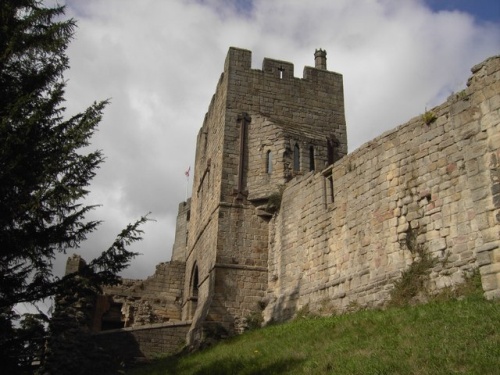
(340, 238)
(131, 344)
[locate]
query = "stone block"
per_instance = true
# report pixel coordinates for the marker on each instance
(490, 282)
(437, 245)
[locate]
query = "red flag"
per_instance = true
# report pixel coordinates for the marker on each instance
(187, 172)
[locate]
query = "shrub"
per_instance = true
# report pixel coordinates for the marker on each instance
(414, 279)
(429, 117)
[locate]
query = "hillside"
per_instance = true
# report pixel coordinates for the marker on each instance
(442, 337)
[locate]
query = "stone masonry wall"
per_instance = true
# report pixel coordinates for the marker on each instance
(227, 237)
(339, 237)
(230, 306)
(241, 268)
(181, 231)
(307, 111)
(131, 344)
(201, 246)
(267, 139)
(202, 262)
(156, 299)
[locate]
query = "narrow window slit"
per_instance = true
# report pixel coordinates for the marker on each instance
(269, 162)
(311, 159)
(296, 158)
(281, 70)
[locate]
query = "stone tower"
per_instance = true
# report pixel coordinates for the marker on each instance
(263, 128)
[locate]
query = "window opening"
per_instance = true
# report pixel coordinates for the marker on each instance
(244, 119)
(194, 286)
(281, 70)
(311, 158)
(269, 162)
(296, 158)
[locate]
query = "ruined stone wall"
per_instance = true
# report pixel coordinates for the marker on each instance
(340, 236)
(157, 299)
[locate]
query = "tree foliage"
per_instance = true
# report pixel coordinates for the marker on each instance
(45, 166)
(43, 177)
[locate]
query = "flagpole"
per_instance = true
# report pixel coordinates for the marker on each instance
(187, 181)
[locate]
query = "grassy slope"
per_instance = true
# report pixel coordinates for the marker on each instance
(437, 338)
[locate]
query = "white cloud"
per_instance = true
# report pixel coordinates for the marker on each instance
(159, 62)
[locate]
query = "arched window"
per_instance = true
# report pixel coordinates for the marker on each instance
(296, 158)
(311, 158)
(269, 162)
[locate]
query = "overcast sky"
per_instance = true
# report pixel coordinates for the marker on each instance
(159, 62)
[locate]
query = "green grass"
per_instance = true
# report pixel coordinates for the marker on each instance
(450, 337)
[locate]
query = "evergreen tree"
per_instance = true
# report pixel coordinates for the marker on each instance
(44, 169)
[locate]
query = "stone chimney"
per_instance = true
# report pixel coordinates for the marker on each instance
(320, 59)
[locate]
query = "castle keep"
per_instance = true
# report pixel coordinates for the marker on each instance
(263, 128)
(281, 217)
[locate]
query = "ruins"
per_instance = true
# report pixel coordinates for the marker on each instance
(282, 217)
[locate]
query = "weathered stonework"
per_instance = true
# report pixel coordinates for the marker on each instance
(181, 231)
(157, 299)
(263, 128)
(339, 237)
(282, 217)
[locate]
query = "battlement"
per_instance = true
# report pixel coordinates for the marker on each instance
(277, 68)
(312, 104)
(238, 58)
(241, 59)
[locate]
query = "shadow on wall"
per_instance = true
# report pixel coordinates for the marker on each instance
(282, 308)
(195, 334)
